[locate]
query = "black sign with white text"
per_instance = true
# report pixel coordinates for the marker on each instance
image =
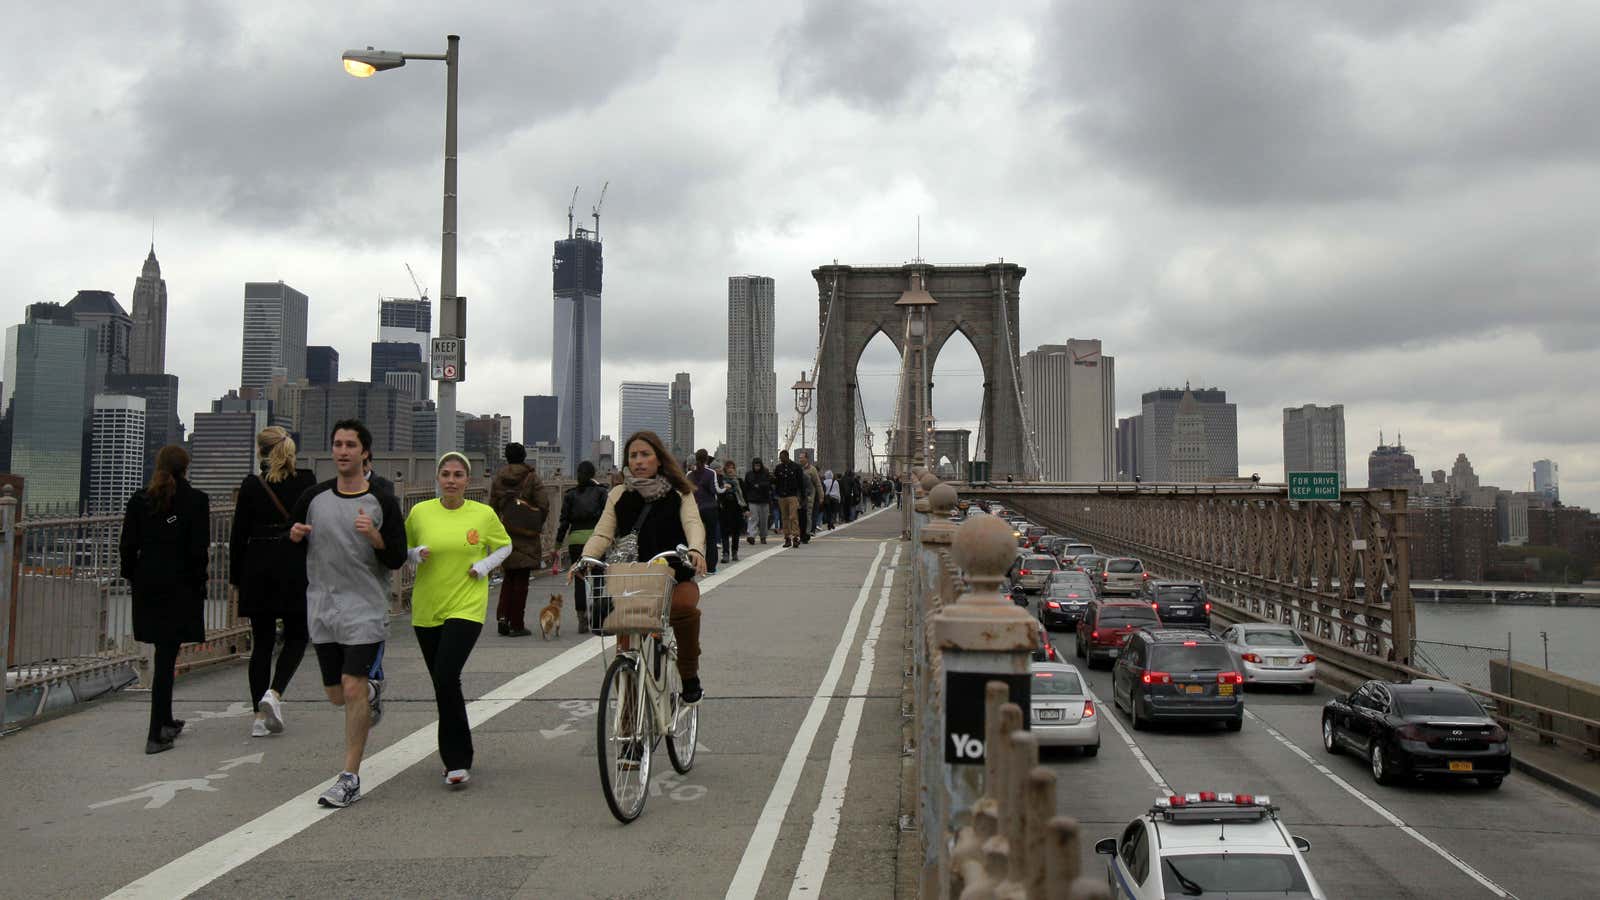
(964, 712)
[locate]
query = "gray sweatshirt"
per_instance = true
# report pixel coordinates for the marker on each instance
(347, 593)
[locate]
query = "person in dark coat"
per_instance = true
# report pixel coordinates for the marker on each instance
(269, 574)
(518, 496)
(758, 493)
(787, 483)
(165, 538)
(581, 508)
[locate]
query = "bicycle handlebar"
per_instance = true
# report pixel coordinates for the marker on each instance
(679, 552)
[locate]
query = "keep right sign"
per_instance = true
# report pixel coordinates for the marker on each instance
(1314, 485)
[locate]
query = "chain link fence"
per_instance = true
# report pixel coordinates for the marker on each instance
(1463, 663)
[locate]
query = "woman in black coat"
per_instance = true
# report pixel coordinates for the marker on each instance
(270, 573)
(165, 537)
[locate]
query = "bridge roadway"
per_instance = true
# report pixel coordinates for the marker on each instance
(1434, 840)
(795, 791)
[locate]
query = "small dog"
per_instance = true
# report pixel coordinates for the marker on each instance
(550, 618)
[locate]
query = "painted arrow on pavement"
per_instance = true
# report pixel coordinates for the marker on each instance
(236, 762)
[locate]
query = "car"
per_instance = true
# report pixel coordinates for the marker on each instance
(1065, 599)
(1030, 570)
(1063, 712)
(1045, 651)
(1092, 563)
(1051, 544)
(1268, 653)
(1123, 575)
(1178, 602)
(1424, 727)
(1177, 849)
(1106, 626)
(1177, 675)
(1076, 548)
(1033, 533)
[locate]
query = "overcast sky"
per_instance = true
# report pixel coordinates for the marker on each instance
(1386, 205)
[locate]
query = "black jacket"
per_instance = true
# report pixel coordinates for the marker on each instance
(581, 507)
(268, 570)
(163, 557)
(661, 532)
(758, 486)
(788, 479)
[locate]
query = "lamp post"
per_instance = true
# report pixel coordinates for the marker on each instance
(803, 390)
(913, 416)
(452, 309)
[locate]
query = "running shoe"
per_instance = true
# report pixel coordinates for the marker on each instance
(273, 711)
(346, 790)
(691, 692)
(258, 728)
(457, 777)
(375, 701)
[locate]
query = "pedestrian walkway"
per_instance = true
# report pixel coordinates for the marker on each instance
(795, 791)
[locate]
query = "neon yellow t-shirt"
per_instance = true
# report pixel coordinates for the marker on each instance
(455, 538)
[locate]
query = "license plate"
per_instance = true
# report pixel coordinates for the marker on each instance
(1194, 689)
(1049, 714)
(1224, 690)
(1114, 652)
(1460, 766)
(1181, 610)
(1279, 661)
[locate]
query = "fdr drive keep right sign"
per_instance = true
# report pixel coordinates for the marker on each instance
(964, 712)
(1313, 485)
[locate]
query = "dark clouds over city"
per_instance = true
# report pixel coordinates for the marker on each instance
(1388, 205)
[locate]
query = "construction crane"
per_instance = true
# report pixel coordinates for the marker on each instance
(569, 209)
(422, 292)
(596, 211)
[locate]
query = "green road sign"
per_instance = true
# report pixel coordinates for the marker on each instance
(1314, 485)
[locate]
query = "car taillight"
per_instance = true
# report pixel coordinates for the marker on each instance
(1147, 576)
(1094, 635)
(1498, 735)
(1156, 678)
(1024, 572)
(1409, 733)
(1208, 606)
(1250, 657)
(1308, 658)
(1053, 605)
(1155, 607)
(1088, 709)
(1072, 596)
(1229, 678)
(1105, 576)
(1052, 653)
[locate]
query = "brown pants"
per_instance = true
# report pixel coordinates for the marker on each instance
(684, 618)
(514, 598)
(789, 508)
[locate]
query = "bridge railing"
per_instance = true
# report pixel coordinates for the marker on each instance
(988, 831)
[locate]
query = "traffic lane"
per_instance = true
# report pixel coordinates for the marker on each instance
(1528, 838)
(1356, 852)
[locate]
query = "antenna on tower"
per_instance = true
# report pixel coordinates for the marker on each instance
(596, 210)
(569, 210)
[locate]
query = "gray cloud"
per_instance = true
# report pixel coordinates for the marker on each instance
(881, 56)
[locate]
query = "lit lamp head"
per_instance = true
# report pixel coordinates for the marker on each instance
(802, 394)
(917, 299)
(365, 63)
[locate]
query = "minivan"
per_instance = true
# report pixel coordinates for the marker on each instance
(1177, 674)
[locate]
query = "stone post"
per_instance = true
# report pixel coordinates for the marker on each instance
(933, 557)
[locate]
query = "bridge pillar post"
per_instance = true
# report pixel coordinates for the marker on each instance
(933, 560)
(982, 637)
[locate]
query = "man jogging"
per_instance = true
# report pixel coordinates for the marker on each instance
(354, 536)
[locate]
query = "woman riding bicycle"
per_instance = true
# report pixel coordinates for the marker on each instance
(656, 501)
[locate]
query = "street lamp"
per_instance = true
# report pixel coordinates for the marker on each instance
(452, 309)
(803, 390)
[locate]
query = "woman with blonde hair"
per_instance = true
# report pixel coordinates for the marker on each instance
(269, 573)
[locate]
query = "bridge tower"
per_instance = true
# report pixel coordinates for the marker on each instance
(981, 301)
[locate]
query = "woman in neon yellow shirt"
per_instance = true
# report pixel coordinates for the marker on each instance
(455, 543)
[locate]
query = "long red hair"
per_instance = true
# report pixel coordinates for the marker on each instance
(172, 463)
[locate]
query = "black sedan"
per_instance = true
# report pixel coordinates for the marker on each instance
(1065, 599)
(1421, 728)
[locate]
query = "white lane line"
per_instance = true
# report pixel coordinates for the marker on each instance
(753, 864)
(1109, 712)
(813, 868)
(1373, 805)
(204, 864)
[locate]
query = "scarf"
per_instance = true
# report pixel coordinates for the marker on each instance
(650, 489)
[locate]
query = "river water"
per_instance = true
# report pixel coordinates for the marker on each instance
(1574, 632)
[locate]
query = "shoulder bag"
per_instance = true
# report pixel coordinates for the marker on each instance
(288, 520)
(523, 519)
(625, 549)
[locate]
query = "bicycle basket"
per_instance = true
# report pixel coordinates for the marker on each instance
(632, 598)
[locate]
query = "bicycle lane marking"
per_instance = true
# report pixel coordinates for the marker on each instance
(813, 868)
(204, 864)
(1383, 812)
(758, 851)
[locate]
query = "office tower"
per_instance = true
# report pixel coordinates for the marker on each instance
(287, 402)
(1313, 440)
(539, 413)
(222, 448)
(1392, 467)
(116, 454)
(113, 329)
(425, 428)
(1070, 394)
(49, 377)
(575, 361)
(161, 423)
(752, 413)
(1547, 479)
(1189, 458)
(1128, 449)
(548, 460)
(1221, 419)
(603, 450)
(644, 406)
(322, 365)
(406, 320)
(488, 435)
(147, 353)
(274, 334)
(682, 419)
(400, 357)
(388, 413)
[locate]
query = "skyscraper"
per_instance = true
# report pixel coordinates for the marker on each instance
(575, 361)
(1313, 440)
(1070, 392)
(322, 365)
(222, 449)
(404, 358)
(682, 418)
(387, 412)
(488, 435)
(1392, 467)
(1547, 479)
(49, 375)
(1189, 458)
(113, 330)
(1129, 460)
(116, 456)
(406, 319)
(148, 350)
(274, 334)
(1156, 432)
(539, 412)
(644, 406)
(403, 345)
(161, 423)
(752, 413)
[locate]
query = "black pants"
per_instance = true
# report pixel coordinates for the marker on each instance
(708, 518)
(732, 530)
(580, 599)
(445, 649)
(806, 514)
(264, 636)
(161, 678)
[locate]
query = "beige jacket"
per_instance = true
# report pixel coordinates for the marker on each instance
(605, 530)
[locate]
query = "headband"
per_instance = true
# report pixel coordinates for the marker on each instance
(456, 455)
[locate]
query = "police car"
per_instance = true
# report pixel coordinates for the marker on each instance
(1208, 845)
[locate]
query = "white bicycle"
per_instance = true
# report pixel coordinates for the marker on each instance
(641, 695)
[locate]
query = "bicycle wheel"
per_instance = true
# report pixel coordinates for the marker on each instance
(622, 730)
(683, 731)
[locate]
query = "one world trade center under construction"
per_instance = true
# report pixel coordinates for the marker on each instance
(575, 362)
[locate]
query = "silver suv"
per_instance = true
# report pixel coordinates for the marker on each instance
(1123, 575)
